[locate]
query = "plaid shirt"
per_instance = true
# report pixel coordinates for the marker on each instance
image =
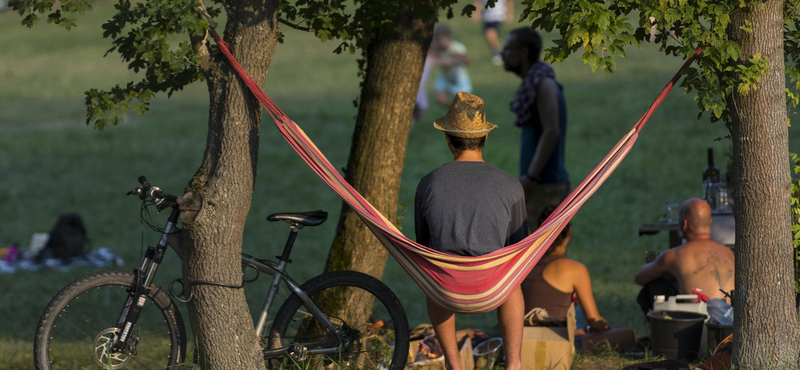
(523, 103)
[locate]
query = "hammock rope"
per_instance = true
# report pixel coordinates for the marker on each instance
(459, 283)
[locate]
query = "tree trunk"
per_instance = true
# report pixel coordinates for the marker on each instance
(766, 333)
(222, 189)
(395, 58)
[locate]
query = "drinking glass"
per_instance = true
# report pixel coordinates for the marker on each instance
(671, 215)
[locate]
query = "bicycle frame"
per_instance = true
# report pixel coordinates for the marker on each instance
(278, 271)
(154, 256)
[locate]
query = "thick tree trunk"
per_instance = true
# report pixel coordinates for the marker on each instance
(395, 59)
(222, 190)
(766, 332)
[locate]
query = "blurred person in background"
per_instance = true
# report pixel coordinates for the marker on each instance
(542, 114)
(421, 103)
(492, 18)
(451, 58)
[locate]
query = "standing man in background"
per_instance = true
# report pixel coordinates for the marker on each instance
(542, 115)
(493, 17)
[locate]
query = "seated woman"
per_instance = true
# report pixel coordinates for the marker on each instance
(551, 284)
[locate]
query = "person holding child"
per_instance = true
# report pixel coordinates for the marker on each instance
(451, 58)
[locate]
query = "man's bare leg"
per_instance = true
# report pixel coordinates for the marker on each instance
(492, 40)
(510, 316)
(444, 324)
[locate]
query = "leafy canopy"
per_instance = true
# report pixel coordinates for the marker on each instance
(600, 30)
(143, 34)
(140, 34)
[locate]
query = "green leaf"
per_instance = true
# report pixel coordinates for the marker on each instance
(603, 21)
(733, 50)
(672, 15)
(467, 10)
(30, 20)
(592, 60)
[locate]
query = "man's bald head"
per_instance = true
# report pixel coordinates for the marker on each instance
(695, 216)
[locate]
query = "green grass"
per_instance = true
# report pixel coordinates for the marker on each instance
(52, 162)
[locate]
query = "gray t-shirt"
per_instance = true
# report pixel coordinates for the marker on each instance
(470, 209)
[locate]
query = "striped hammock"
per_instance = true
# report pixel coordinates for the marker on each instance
(459, 283)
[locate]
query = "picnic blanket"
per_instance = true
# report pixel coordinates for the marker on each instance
(98, 257)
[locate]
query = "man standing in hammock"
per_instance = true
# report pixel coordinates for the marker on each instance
(542, 115)
(469, 207)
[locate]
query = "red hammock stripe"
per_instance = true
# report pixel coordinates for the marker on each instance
(460, 283)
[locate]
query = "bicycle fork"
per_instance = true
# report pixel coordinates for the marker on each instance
(137, 293)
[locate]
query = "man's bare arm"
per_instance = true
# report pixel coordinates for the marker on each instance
(656, 269)
(547, 105)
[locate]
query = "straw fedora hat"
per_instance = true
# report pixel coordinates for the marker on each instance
(466, 117)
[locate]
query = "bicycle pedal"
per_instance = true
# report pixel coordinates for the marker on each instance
(299, 352)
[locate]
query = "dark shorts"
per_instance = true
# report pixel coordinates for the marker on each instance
(492, 25)
(542, 196)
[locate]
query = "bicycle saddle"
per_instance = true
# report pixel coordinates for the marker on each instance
(310, 218)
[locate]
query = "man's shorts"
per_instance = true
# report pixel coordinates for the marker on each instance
(495, 25)
(459, 82)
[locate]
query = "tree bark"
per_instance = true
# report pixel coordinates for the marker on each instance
(221, 190)
(766, 332)
(395, 58)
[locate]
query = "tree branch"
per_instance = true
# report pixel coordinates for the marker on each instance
(297, 27)
(200, 44)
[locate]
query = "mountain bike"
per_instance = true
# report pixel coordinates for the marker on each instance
(124, 320)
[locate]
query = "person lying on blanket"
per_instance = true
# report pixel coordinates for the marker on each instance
(470, 207)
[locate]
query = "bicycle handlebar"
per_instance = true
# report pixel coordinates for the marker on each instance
(161, 199)
(144, 182)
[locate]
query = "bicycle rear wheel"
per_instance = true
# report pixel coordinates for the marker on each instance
(77, 327)
(366, 314)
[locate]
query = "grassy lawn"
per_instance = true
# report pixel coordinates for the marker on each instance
(52, 162)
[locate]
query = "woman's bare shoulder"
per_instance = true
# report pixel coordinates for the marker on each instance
(567, 265)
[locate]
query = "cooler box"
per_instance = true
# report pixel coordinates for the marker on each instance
(680, 302)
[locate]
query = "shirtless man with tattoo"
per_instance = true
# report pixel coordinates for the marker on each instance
(699, 263)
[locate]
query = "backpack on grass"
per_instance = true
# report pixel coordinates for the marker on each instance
(67, 239)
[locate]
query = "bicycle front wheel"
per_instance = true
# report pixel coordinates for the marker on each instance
(79, 325)
(371, 328)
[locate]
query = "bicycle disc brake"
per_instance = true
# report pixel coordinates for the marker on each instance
(103, 355)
